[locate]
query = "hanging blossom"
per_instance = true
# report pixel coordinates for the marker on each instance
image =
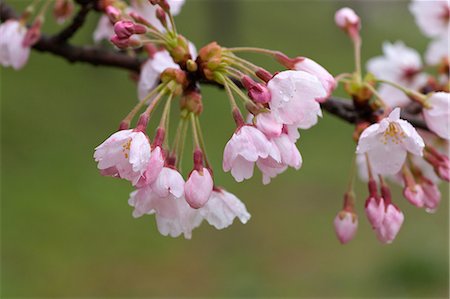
(278, 105)
(387, 143)
(389, 147)
(13, 52)
(432, 17)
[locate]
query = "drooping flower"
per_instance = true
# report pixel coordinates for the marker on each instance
(387, 143)
(432, 17)
(245, 147)
(285, 154)
(198, 188)
(151, 71)
(221, 209)
(437, 116)
(266, 123)
(310, 66)
(437, 51)
(125, 154)
(154, 167)
(13, 52)
(294, 98)
(173, 215)
(345, 226)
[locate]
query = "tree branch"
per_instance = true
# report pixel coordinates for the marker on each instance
(94, 55)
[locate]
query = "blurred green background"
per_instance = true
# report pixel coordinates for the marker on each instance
(68, 232)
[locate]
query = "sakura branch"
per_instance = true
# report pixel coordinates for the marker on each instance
(267, 109)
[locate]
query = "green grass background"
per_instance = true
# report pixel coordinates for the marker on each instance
(68, 232)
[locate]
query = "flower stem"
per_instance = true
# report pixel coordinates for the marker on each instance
(202, 141)
(252, 50)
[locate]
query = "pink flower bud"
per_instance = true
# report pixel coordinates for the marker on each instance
(392, 222)
(348, 20)
(258, 92)
(125, 29)
(375, 211)
(198, 188)
(432, 196)
(345, 225)
(62, 10)
(113, 13)
(415, 195)
(33, 34)
(119, 42)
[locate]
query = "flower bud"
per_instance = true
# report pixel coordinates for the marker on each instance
(392, 222)
(112, 13)
(349, 21)
(258, 92)
(198, 188)
(345, 226)
(375, 208)
(432, 196)
(415, 195)
(33, 34)
(62, 10)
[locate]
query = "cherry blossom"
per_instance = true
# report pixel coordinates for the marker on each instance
(125, 154)
(310, 66)
(387, 143)
(437, 51)
(294, 95)
(13, 53)
(432, 17)
(437, 115)
(245, 147)
(221, 209)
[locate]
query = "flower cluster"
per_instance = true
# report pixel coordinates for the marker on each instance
(391, 147)
(276, 106)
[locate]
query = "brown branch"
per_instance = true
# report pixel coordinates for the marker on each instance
(94, 55)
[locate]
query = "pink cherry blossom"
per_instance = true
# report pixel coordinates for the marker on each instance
(284, 154)
(169, 182)
(375, 210)
(437, 51)
(104, 29)
(294, 95)
(221, 209)
(345, 226)
(245, 147)
(154, 167)
(13, 53)
(152, 69)
(173, 215)
(198, 188)
(437, 116)
(401, 65)
(387, 143)
(392, 222)
(125, 154)
(266, 123)
(432, 17)
(326, 79)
